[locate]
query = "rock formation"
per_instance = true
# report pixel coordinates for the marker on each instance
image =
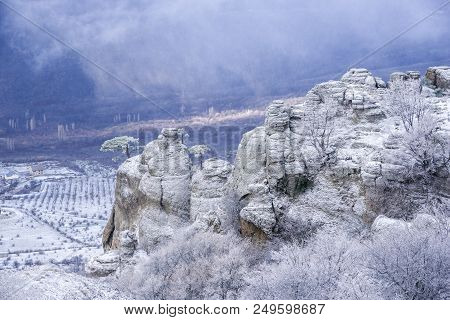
(333, 159)
(277, 166)
(408, 75)
(152, 192)
(363, 76)
(438, 78)
(280, 178)
(153, 198)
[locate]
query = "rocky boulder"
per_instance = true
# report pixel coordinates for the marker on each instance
(112, 260)
(364, 77)
(404, 76)
(439, 78)
(104, 264)
(422, 222)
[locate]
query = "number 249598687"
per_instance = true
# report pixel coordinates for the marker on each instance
(281, 308)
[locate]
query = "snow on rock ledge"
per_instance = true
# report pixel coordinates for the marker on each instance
(363, 76)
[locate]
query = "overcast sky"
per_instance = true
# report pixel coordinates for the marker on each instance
(204, 46)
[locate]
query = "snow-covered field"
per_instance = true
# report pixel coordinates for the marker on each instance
(54, 217)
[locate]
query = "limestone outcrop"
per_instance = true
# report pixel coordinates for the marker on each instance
(408, 75)
(158, 192)
(363, 76)
(152, 192)
(334, 159)
(438, 78)
(283, 174)
(281, 167)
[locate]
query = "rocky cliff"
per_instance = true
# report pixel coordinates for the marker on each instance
(337, 159)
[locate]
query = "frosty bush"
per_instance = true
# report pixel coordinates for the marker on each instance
(316, 271)
(428, 145)
(405, 101)
(411, 265)
(193, 266)
(423, 139)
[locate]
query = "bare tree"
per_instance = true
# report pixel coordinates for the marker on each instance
(193, 266)
(404, 100)
(423, 140)
(319, 127)
(413, 264)
(428, 145)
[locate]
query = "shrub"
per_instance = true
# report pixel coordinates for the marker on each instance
(193, 266)
(411, 264)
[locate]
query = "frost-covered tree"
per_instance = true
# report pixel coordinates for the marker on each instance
(193, 266)
(412, 264)
(199, 152)
(320, 269)
(319, 127)
(404, 100)
(423, 140)
(428, 146)
(124, 144)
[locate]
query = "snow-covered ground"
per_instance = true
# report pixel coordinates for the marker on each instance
(54, 282)
(55, 217)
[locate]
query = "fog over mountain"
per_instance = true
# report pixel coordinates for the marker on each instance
(207, 48)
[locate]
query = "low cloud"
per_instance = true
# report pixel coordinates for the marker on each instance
(207, 46)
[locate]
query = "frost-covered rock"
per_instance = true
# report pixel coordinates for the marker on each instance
(208, 194)
(128, 241)
(166, 183)
(104, 264)
(277, 163)
(158, 192)
(126, 210)
(404, 76)
(362, 76)
(367, 173)
(385, 224)
(152, 192)
(358, 95)
(438, 78)
(269, 167)
(111, 260)
(422, 222)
